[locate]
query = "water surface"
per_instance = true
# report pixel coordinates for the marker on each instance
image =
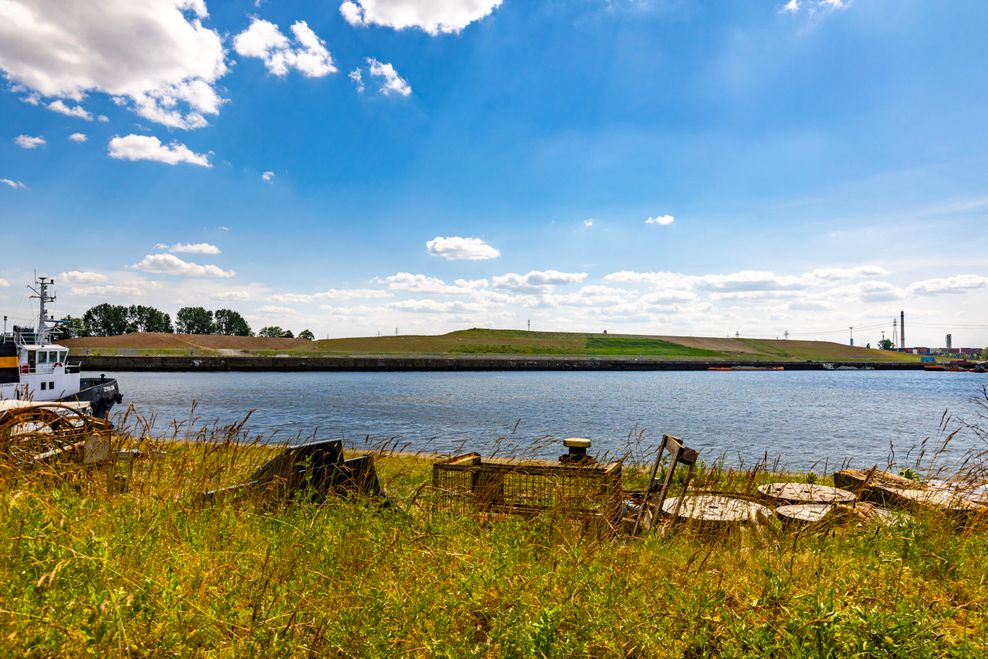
(806, 417)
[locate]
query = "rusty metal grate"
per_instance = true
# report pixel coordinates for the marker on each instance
(466, 484)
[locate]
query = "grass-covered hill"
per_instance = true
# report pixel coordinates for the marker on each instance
(493, 342)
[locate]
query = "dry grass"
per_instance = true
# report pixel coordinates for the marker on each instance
(86, 568)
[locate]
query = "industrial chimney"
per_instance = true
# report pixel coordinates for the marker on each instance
(902, 329)
(948, 342)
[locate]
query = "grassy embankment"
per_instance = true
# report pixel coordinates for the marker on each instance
(85, 569)
(487, 342)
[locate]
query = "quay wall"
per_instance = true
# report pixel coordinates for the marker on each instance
(426, 363)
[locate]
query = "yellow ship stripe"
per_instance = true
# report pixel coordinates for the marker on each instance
(9, 362)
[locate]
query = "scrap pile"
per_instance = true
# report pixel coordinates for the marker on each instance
(32, 434)
(578, 486)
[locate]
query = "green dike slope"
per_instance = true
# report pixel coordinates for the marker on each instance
(492, 342)
(572, 344)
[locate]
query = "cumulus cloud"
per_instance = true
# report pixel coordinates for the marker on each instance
(455, 248)
(169, 264)
(122, 290)
(836, 274)
(155, 56)
(948, 285)
(267, 177)
(331, 294)
(78, 137)
(406, 281)
(263, 40)
(537, 279)
(81, 277)
(432, 16)
(17, 185)
(147, 147)
(434, 306)
(4, 283)
(588, 223)
(275, 310)
(29, 141)
(662, 220)
(189, 248)
(71, 111)
(232, 295)
(391, 82)
(358, 80)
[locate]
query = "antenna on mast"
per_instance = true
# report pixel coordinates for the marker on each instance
(41, 294)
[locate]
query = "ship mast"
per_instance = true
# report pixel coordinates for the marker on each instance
(41, 294)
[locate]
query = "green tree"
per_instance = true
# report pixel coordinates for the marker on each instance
(106, 320)
(886, 344)
(307, 335)
(271, 331)
(147, 319)
(230, 323)
(984, 354)
(288, 335)
(194, 320)
(73, 328)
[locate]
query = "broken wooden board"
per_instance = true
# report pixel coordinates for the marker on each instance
(803, 514)
(716, 509)
(891, 490)
(792, 493)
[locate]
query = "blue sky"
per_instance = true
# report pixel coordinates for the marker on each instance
(427, 165)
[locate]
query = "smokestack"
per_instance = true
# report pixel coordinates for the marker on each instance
(902, 329)
(949, 342)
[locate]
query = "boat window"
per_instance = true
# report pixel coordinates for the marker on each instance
(42, 356)
(63, 355)
(30, 359)
(43, 386)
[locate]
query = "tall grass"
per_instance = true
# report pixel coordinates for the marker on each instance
(131, 562)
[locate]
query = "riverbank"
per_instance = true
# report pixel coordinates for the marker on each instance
(114, 566)
(174, 363)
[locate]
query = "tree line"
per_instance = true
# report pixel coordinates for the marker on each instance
(115, 319)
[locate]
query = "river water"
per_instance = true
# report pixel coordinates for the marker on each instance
(808, 419)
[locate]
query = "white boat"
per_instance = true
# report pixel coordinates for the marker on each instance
(33, 367)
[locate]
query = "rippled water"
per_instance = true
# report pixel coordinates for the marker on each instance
(806, 417)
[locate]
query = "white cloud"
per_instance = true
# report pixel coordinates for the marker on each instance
(537, 279)
(836, 274)
(790, 7)
(455, 248)
(358, 80)
(955, 284)
(275, 310)
(234, 295)
(4, 283)
(75, 111)
(29, 142)
(391, 82)
(78, 137)
(406, 281)
(432, 16)
(434, 306)
(17, 185)
(265, 41)
(331, 294)
(122, 290)
(189, 248)
(267, 177)
(588, 223)
(662, 220)
(147, 147)
(155, 55)
(168, 264)
(81, 277)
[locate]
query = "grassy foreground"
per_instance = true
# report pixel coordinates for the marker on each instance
(86, 569)
(489, 342)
